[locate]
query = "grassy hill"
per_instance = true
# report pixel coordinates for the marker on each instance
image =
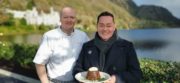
(124, 11)
(87, 9)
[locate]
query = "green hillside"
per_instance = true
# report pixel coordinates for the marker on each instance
(124, 11)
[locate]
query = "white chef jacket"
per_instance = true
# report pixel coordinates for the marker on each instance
(58, 52)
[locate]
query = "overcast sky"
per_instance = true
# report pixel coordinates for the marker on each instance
(172, 5)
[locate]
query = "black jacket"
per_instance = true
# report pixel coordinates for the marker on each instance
(121, 60)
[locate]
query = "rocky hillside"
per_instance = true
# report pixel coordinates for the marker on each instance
(127, 13)
(128, 5)
(157, 13)
(149, 12)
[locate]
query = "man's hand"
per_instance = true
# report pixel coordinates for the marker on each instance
(112, 79)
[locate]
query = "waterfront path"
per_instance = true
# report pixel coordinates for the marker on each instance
(9, 77)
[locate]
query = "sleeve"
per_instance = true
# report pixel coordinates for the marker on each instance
(79, 63)
(119, 79)
(44, 52)
(133, 73)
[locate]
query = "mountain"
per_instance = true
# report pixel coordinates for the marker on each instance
(128, 5)
(149, 12)
(157, 13)
(127, 13)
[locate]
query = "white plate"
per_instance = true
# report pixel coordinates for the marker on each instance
(81, 77)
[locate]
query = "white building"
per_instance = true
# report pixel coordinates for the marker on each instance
(33, 17)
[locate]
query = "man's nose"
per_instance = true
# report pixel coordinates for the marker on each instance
(105, 28)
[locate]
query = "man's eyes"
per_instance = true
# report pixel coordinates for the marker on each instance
(105, 25)
(70, 17)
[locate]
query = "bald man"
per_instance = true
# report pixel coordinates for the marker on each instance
(59, 50)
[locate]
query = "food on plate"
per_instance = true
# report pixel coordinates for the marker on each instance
(93, 74)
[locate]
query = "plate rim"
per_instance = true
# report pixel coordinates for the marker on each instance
(89, 80)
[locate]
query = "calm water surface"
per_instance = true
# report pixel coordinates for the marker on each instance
(161, 44)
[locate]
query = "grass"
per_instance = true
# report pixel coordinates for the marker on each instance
(87, 10)
(11, 30)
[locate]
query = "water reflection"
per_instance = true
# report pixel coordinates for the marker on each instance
(161, 44)
(20, 39)
(150, 44)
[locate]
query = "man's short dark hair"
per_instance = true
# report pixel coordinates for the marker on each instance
(105, 13)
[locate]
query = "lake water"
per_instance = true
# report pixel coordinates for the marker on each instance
(161, 44)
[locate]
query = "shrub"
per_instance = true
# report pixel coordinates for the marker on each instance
(24, 54)
(6, 51)
(154, 71)
(23, 21)
(10, 22)
(160, 71)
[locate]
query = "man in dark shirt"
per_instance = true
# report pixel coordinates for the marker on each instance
(110, 54)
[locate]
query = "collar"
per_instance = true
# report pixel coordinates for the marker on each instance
(65, 34)
(119, 42)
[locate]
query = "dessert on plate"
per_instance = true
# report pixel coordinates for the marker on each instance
(93, 74)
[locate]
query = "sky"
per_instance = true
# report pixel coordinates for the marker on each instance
(172, 5)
